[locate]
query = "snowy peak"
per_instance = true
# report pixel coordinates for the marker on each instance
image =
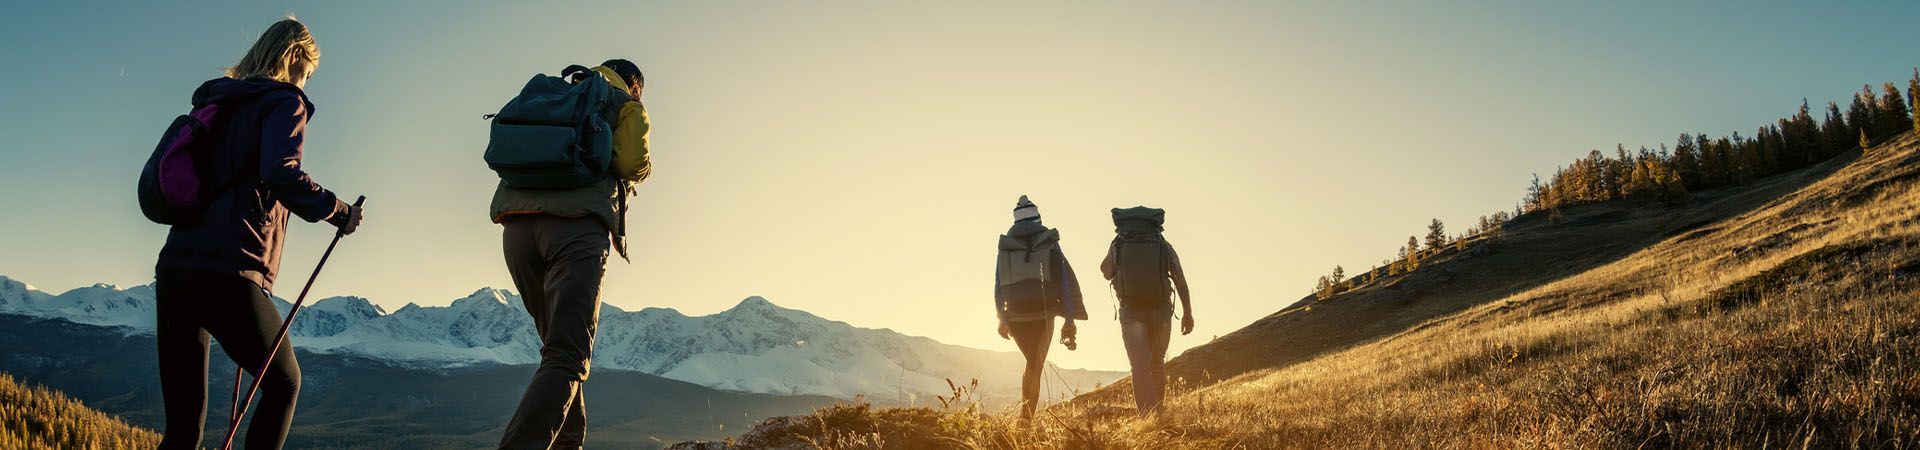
(755, 302)
(754, 305)
(757, 308)
(754, 346)
(16, 295)
(487, 298)
(100, 304)
(356, 306)
(334, 315)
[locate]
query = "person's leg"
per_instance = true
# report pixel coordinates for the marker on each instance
(182, 361)
(573, 432)
(573, 252)
(1032, 337)
(1159, 333)
(575, 429)
(573, 281)
(1135, 334)
(245, 322)
(519, 243)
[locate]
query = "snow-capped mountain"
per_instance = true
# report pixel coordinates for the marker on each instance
(99, 304)
(756, 346)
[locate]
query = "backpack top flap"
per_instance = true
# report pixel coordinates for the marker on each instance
(1026, 259)
(1139, 219)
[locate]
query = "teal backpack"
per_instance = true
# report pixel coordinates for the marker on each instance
(556, 134)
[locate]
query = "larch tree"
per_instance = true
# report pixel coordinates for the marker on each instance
(1413, 253)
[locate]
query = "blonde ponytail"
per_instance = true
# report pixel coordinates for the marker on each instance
(280, 48)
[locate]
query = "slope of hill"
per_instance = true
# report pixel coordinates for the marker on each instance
(37, 417)
(1781, 313)
(1530, 252)
(756, 346)
(348, 401)
(1793, 322)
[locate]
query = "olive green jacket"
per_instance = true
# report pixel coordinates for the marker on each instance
(606, 200)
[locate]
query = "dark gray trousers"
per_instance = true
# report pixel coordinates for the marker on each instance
(1146, 334)
(556, 264)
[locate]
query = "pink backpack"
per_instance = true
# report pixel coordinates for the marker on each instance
(172, 186)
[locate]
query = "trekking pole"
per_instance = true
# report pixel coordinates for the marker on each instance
(240, 406)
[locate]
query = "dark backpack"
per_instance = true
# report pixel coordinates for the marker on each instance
(174, 186)
(555, 134)
(1024, 266)
(1140, 272)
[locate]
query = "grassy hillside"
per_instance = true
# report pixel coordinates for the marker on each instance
(349, 402)
(1530, 252)
(1780, 313)
(39, 418)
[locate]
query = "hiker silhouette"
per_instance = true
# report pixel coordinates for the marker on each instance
(1033, 284)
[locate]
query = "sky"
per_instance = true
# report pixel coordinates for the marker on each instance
(858, 160)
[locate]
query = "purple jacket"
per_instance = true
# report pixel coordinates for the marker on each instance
(261, 129)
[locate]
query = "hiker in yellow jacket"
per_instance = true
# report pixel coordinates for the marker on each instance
(556, 244)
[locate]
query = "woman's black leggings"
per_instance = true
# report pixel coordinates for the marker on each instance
(1033, 338)
(190, 306)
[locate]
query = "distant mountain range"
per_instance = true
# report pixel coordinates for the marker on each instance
(755, 346)
(354, 402)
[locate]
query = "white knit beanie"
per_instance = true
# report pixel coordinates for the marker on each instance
(1025, 210)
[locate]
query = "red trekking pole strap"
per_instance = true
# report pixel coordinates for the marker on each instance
(240, 406)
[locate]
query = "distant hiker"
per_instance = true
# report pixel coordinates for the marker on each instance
(568, 150)
(1033, 283)
(218, 264)
(1139, 263)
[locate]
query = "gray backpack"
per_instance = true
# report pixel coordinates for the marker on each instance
(1023, 266)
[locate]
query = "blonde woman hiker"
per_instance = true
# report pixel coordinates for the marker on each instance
(1033, 283)
(1140, 263)
(228, 209)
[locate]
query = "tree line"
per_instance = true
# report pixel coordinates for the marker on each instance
(1695, 162)
(36, 417)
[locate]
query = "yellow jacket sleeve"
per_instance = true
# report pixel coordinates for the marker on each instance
(630, 158)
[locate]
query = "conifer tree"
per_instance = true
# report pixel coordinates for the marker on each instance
(1913, 97)
(1686, 159)
(1536, 196)
(1836, 134)
(1893, 111)
(1864, 114)
(1436, 236)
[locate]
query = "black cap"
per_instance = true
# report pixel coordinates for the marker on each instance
(626, 70)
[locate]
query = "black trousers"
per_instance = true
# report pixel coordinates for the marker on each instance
(557, 264)
(191, 306)
(1033, 337)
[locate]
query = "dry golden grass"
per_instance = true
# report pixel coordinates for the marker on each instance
(1793, 325)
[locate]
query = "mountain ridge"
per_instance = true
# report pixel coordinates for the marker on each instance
(754, 346)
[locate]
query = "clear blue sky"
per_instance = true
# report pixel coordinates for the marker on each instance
(857, 159)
